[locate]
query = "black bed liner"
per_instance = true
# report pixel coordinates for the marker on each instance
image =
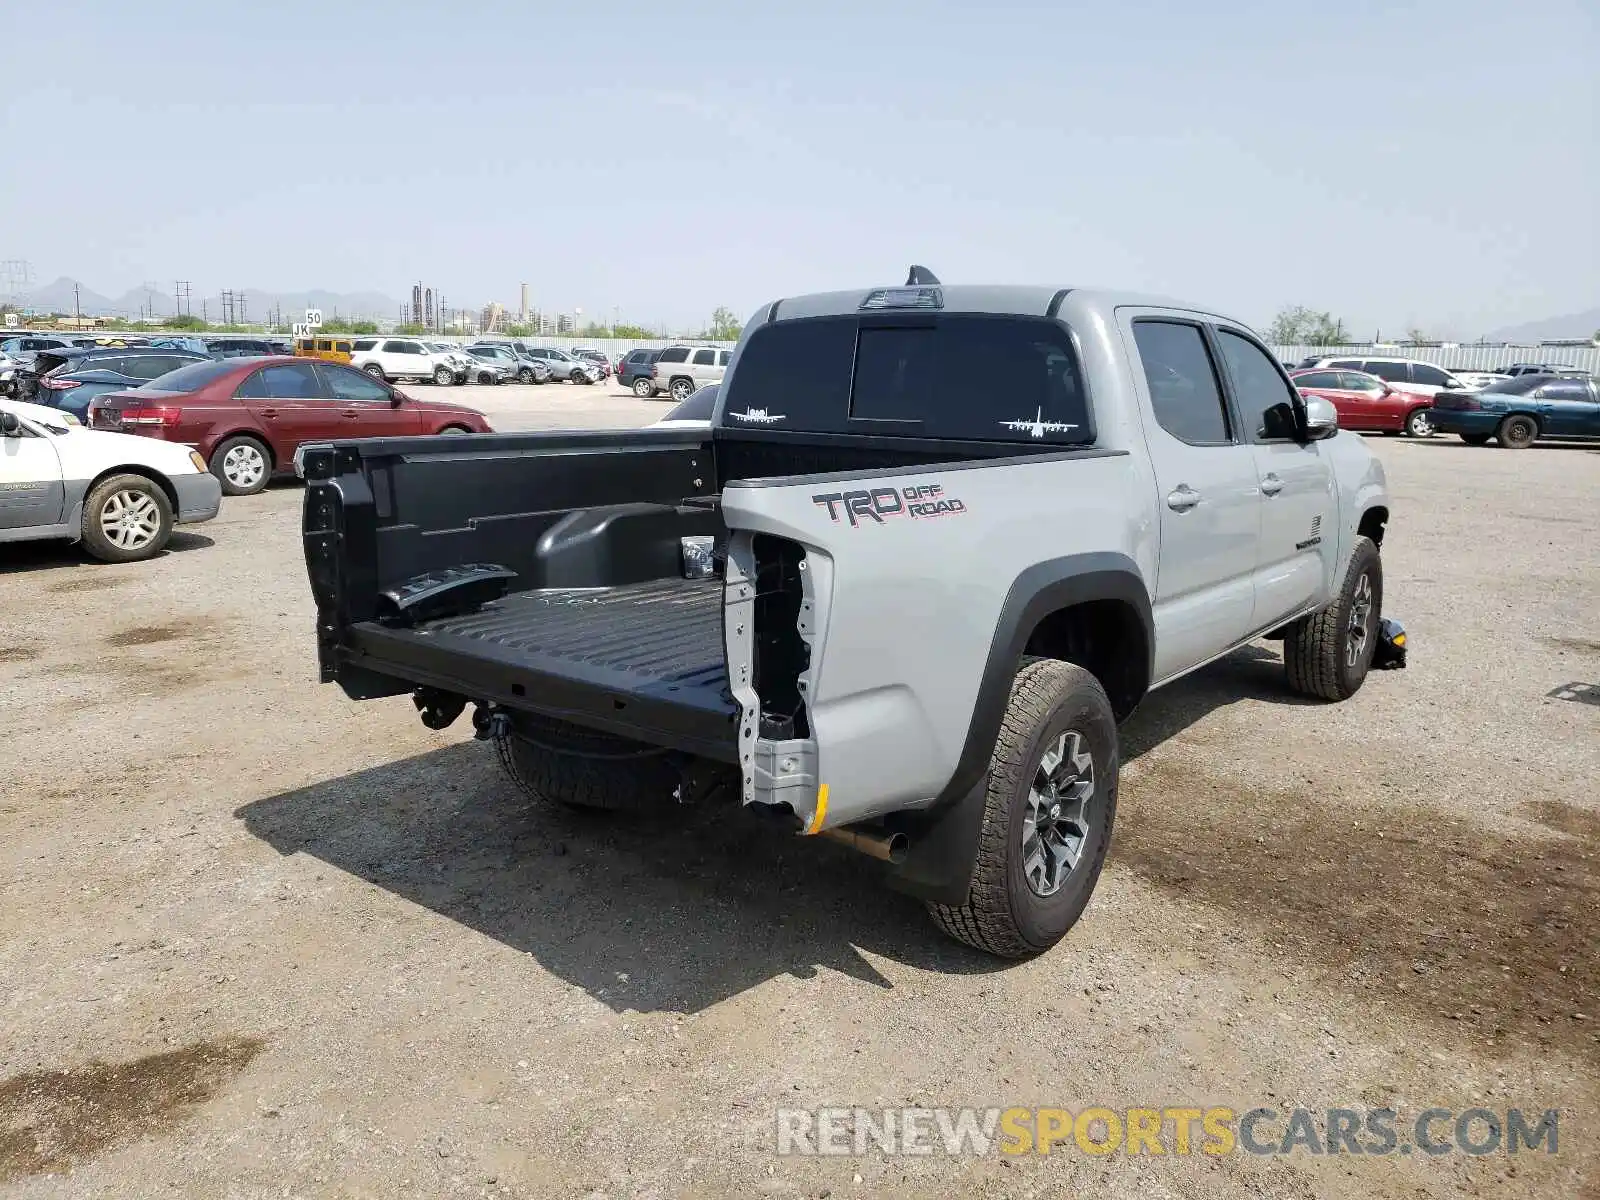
(644, 660)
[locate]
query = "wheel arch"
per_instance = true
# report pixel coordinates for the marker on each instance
(1373, 522)
(254, 435)
(148, 472)
(1092, 609)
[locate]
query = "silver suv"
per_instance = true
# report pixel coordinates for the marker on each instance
(684, 370)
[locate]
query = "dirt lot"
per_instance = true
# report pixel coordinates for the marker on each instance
(256, 939)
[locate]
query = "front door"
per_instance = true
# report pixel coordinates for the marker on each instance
(1206, 490)
(32, 492)
(1299, 535)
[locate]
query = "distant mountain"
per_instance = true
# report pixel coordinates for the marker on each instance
(1573, 325)
(57, 297)
(257, 303)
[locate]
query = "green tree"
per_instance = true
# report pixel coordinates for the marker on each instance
(518, 331)
(1300, 326)
(412, 328)
(725, 327)
(348, 325)
(630, 331)
(184, 321)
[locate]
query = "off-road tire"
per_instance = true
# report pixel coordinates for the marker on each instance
(1314, 649)
(1517, 431)
(644, 389)
(581, 768)
(1002, 915)
(1475, 439)
(95, 541)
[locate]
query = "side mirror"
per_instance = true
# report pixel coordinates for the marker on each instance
(10, 423)
(1322, 419)
(396, 399)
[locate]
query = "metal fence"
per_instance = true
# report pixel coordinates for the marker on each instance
(1458, 358)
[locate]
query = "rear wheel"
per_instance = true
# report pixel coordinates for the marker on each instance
(682, 389)
(374, 370)
(1419, 424)
(243, 465)
(643, 388)
(1048, 812)
(126, 518)
(1517, 432)
(1475, 439)
(568, 764)
(1328, 654)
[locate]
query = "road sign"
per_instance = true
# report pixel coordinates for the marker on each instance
(314, 318)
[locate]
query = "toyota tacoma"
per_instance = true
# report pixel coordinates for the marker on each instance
(936, 543)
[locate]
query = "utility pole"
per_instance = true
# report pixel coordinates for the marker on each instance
(243, 315)
(77, 309)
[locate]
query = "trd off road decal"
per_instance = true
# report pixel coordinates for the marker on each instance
(878, 504)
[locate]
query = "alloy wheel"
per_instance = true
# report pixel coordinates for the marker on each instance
(1360, 631)
(1055, 823)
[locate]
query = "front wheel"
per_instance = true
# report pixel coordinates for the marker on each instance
(126, 518)
(1475, 439)
(643, 389)
(1048, 812)
(1517, 432)
(1419, 424)
(1328, 654)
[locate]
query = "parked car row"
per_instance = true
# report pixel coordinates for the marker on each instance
(679, 371)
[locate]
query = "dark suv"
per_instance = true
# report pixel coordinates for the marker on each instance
(71, 377)
(634, 372)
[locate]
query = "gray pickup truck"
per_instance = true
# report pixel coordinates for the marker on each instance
(936, 543)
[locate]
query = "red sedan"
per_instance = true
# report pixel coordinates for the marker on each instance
(247, 416)
(1367, 402)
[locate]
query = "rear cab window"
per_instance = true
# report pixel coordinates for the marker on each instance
(957, 377)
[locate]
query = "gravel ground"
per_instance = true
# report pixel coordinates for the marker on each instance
(258, 939)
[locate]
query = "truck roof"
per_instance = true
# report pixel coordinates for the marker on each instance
(1040, 300)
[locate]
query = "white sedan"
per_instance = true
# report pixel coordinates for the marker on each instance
(118, 494)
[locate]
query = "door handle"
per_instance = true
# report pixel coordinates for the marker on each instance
(351, 413)
(1271, 485)
(1182, 498)
(269, 413)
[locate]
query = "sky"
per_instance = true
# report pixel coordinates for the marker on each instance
(1433, 165)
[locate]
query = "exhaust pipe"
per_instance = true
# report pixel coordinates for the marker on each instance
(890, 847)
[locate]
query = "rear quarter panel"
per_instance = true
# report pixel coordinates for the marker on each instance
(906, 606)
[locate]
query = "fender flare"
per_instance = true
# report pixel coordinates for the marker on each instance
(944, 836)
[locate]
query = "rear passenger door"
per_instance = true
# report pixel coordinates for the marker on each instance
(289, 404)
(704, 364)
(1207, 497)
(1299, 536)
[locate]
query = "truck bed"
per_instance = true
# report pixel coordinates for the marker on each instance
(642, 659)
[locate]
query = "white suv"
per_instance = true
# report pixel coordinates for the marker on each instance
(1403, 374)
(401, 358)
(683, 370)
